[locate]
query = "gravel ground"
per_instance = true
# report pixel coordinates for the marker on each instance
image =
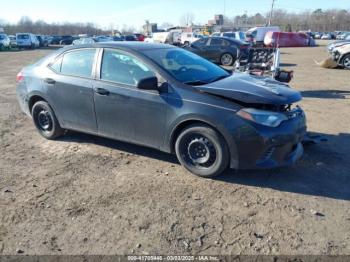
(88, 195)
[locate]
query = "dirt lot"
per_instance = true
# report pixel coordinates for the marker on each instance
(88, 195)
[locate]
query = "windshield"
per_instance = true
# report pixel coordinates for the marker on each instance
(185, 66)
(22, 36)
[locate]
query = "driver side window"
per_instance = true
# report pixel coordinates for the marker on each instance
(122, 68)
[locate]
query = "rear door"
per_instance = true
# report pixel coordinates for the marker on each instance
(69, 88)
(123, 111)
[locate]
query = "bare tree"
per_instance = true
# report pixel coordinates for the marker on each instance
(187, 19)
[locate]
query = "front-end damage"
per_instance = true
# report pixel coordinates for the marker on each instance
(273, 124)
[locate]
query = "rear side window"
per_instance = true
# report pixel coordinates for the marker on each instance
(200, 42)
(215, 42)
(78, 63)
(232, 35)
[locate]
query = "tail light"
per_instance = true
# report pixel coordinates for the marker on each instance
(244, 46)
(19, 77)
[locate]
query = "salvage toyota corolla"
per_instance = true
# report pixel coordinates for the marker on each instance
(167, 98)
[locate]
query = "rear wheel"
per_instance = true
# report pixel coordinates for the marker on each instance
(45, 120)
(346, 62)
(202, 151)
(227, 59)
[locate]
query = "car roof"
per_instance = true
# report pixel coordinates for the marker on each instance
(132, 45)
(234, 40)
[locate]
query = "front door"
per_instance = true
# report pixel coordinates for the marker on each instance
(123, 111)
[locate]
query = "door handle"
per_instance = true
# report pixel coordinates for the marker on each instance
(101, 91)
(49, 81)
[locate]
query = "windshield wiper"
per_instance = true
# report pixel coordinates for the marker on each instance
(195, 83)
(217, 78)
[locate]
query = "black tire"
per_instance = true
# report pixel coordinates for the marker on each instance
(202, 151)
(346, 62)
(227, 59)
(45, 120)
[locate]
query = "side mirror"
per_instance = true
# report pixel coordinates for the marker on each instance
(149, 83)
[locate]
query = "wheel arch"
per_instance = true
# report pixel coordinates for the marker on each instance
(179, 127)
(33, 99)
(343, 57)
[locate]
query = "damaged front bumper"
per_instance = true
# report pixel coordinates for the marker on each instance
(270, 147)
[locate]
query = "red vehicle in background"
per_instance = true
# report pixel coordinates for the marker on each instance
(140, 37)
(287, 39)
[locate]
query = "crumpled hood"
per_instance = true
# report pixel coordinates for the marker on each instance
(252, 89)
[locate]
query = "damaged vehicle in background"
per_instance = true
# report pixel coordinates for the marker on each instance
(166, 98)
(341, 55)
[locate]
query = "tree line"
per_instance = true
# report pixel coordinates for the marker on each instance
(318, 20)
(25, 24)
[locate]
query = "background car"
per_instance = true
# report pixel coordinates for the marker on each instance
(130, 38)
(326, 36)
(257, 34)
(42, 41)
(140, 37)
(13, 41)
(5, 42)
(221, 50)
(318, 35)
(118, 38)
(287, 39)
(239, 35)
(335, 44)
(27, 40)
(188, 38)
(84, 41)
(103, 38)
(55, 40)
(341, 55)
(67, 40)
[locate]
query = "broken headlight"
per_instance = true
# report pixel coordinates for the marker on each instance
(262, 117)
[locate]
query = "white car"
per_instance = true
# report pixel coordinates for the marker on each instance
(189, 38)
(326, 37)
(27, 40)
(235, 35)
(257, 34)
(171, 37)
(5, 42)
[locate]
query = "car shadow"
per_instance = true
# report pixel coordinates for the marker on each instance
(326, 94)
(324, 169)
(118, 145)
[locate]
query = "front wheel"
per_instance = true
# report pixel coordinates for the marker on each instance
(346, 62)
(202, 151)
(45, 120)
(227, 59)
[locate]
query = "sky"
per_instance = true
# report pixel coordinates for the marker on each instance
(105, 13)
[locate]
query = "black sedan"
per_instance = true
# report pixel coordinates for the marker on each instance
(220, 50)
(166, 98)
(42, 41)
